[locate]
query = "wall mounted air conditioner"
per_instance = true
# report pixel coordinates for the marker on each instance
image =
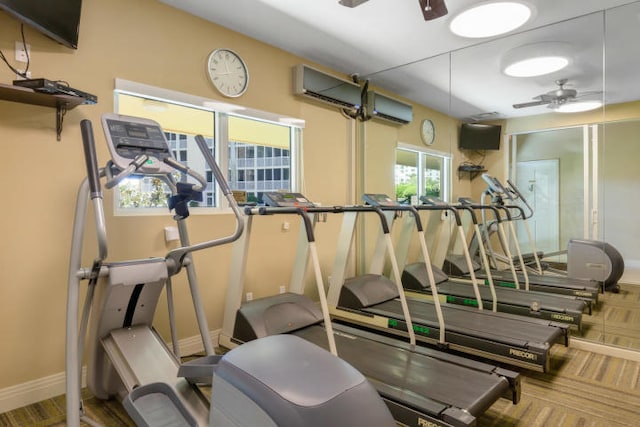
(323, 87)
(384, 108)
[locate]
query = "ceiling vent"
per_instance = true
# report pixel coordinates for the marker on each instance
(384, 108)
(482, 117)
(323, 87)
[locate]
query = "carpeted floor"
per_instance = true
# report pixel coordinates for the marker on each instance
(616, 319)
(583, 389)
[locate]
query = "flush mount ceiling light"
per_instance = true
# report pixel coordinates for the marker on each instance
(578, 107)
(491, 18)
(536, 59)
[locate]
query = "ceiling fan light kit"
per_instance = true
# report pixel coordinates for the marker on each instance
(536, 59)
(564, 100)
(578, 107)
(491, 18)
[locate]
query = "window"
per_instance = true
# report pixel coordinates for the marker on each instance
(261, 150)
(250, 145)
(421, 173)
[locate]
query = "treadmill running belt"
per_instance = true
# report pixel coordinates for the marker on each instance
(486, 325)
(512, 296)
(414, 376)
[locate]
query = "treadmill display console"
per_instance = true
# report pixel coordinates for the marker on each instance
(286, 200)
(432, 201)
(130, 137)
(494, 184)
(379, 200)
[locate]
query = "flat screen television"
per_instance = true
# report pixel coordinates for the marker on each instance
(477, 136)
(59, 19)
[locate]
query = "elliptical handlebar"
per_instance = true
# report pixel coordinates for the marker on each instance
(90, 158)
(133, 166)
(519, 196)
(176, 256)
(95, 192)
(185, 169)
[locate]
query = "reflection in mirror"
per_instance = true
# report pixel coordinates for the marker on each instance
(545, 170)
(420, 173)
(480, 89)
(550, 155)
(618, 226)
(588, 153)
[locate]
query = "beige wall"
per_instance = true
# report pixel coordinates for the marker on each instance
(565, 145)
(148, 42)
(619, 190)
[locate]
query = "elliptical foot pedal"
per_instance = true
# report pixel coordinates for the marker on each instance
(200, 370)
(157, 404)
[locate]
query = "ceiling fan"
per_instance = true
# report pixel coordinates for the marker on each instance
(431, 9)
(556, 98)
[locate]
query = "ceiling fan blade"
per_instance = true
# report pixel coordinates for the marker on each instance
(352, 3)
(589, 93)
(432, 9)
(531, 104)
(546, 97)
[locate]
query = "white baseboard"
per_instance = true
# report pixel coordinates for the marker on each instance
(608, 350)
(32, 391)
(40, 389)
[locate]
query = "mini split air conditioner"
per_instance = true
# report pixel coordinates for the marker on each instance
(384, 108)
(323, 87)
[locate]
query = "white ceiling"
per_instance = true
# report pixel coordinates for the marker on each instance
(389, 43)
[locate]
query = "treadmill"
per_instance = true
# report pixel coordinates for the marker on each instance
(421, 386)
(372, 301)
(587, 290)
(560, 308)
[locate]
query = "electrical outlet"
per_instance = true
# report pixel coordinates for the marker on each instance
(22, 55)
(21, 77)
(283, 289)
(286, 226)
(249, 296)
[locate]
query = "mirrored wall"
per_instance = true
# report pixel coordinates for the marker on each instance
(578, 170)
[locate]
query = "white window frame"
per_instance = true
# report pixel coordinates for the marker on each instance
(445, 190)
(220, 114)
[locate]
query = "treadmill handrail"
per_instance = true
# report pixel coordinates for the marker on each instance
(308, 225)
(426, 258)
(446, 207)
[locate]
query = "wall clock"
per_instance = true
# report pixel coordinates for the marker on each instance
(427, 132)
(228, 72)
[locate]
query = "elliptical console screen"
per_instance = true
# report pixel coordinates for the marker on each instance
(137, 132)
(130, 137)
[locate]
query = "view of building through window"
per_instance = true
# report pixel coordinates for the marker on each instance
(258, 153)
(258, 168)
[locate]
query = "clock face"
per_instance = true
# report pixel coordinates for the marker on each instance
(428, 132)
(228, 72)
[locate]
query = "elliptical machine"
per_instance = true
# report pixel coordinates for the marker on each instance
(586, 259)
(275, 381)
